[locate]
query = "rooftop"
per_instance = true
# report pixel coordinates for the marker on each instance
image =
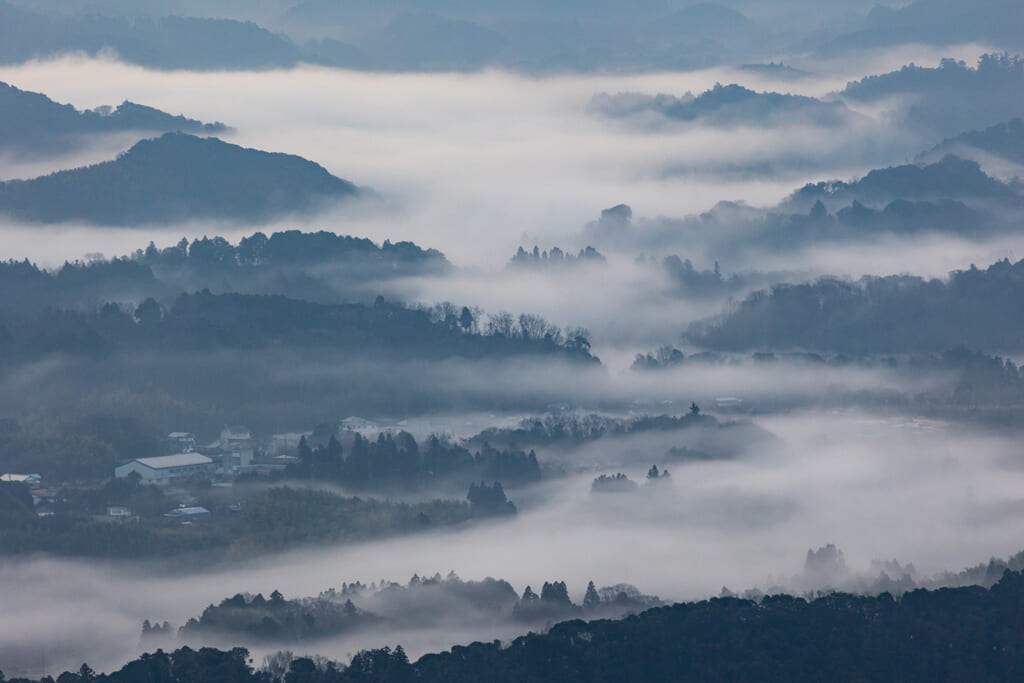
(19, 477)
(179, 460)
(187, 512)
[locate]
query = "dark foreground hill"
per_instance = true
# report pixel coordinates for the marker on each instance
(31, 124)
(177, 177)
(953, 634)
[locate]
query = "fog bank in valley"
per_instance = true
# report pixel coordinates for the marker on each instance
(878, 488)
(469, 162)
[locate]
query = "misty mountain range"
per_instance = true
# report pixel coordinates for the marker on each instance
(949, 99)
(808, 336)
(406, 35)
(165, 42)
(951, 178)
(936, 22)
(32, 124)
(1002, 140)
(941, 193)
(952, 196)
(728, 105)
(178, 177)
(924, 105)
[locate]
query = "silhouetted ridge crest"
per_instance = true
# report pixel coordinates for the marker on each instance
(178, 177)
(31, 124)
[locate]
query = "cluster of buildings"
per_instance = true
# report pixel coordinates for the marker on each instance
(34, 482)
(235, 451)
(232, 453)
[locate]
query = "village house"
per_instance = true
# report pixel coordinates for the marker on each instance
(166, 468)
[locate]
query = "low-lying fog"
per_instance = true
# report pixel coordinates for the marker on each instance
(466, 163)
(941, 497)
(477, 165)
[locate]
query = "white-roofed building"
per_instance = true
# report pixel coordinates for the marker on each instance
(27, 479)
(167, 467)
(193, 512)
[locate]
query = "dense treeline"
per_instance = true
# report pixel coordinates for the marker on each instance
(977, 371)
(205, 321)
(620, 483)
(960, 383)
(121, 333)
(267, 521)
(317, 266)
(281, 248)
(576, 428)
(177, 177)
(994, 68)
(962, 634)
(275, 619)
(696, 436)
(284, 516)
(75, 449)
(950, 634)
(398, 462)
(556, 257)
(422, 603)
(974, 308)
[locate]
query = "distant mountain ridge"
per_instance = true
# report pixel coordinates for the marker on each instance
(725, 105)
(177, 177)
(951, 196)
(32, 124)
(164, 43)
(945, 100)
(949, 178)
(1004, 140)
(936, 22)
